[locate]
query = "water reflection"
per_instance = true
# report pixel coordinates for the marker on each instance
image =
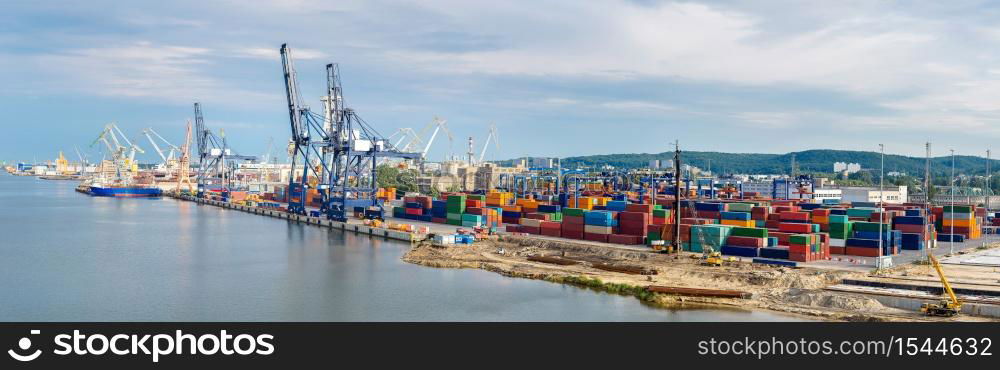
(71, 257)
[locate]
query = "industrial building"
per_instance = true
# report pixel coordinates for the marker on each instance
(890, 194)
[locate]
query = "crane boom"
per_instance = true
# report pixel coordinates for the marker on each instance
(153, 142)
(441, 124)
(944, 280)
(494, 137)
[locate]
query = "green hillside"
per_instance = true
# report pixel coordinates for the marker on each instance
(810, 161)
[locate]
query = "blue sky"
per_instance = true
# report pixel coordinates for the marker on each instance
(557, 77)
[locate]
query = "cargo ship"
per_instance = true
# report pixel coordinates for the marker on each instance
(98, 189)
(134, 191)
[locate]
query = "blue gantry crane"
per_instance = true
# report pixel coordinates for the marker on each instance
(338, 147)
(216, 162)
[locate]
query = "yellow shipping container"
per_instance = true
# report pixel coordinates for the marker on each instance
(585, 203)
(740, 223)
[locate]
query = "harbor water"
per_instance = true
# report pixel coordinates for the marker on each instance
(66, 256)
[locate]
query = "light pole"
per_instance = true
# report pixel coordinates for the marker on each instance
(951, 239)
(881, 207)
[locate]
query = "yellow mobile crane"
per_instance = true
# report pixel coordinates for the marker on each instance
(947, 307)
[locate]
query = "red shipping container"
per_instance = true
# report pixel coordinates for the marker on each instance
(530, 230)
(572, 234)
(633, 230)
(821, 212)
(798, 248)
(643, 208)
(797, 257)
(794, 216)
(511, 220)
(745, 241)
(633, 216)
(513, 228)
(538, 216)
(415, 211)
(596, 237)
(876, 217)
(659, 220)
(474, 211)
(790, 227)
(782, 237)
(573, 227)
(709, 214)
(624, 239)
(551, 232)
(864, 252)
(550, 225)
(838, 250)
(439, 220)
(473, 203)
(575, 220)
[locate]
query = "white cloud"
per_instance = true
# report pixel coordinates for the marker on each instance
(143, 70)
(274, 53)
(632, 105)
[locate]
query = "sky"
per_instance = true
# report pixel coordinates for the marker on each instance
(557, 77)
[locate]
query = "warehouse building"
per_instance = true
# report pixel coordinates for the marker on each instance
(891, 194)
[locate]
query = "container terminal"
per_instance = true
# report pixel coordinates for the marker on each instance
(665, 234)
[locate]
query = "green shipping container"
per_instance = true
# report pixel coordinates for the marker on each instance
(575, 212)
(454, 216)
(958, 209)
(472, 218)
(661, 213)
(869, 226)
(749, 232)
(654, 235)
(860, 212)
(455, 222)
(838, 219)
(800, 239)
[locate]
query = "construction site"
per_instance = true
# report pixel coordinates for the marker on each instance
(665, 234)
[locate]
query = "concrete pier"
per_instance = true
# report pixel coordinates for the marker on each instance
(345, 226)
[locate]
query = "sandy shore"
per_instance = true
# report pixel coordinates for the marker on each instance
(794, 291)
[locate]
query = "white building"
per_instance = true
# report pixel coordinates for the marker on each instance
(892, 194)
(848, 168)
(821, 194)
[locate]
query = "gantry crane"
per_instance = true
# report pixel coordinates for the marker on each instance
(342, 152)
(216, 162)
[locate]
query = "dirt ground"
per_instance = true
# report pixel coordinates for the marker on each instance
(795, 291)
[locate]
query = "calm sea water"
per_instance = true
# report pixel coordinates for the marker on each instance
(65, 256)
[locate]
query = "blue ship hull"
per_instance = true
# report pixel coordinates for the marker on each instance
(129, 192)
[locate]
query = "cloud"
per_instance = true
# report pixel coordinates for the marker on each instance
(274, 53)
(143, 70)
(638, 105)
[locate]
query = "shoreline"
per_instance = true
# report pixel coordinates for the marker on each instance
(798, 292)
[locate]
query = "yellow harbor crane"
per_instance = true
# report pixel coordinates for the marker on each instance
(947, 307)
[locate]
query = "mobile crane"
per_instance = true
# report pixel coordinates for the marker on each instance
(947, 307)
